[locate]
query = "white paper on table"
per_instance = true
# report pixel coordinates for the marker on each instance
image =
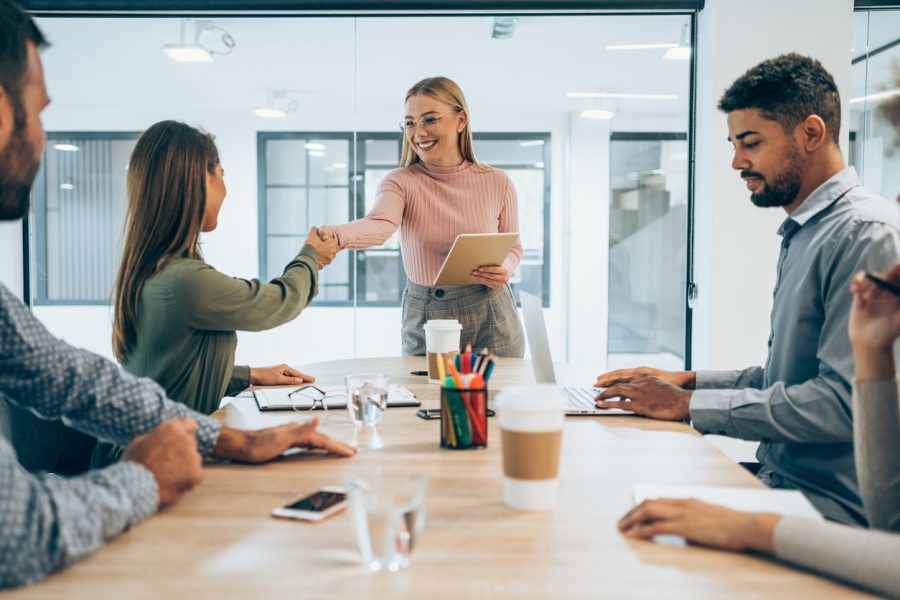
(783, 502)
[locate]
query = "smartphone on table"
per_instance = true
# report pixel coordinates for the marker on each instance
(316, 507)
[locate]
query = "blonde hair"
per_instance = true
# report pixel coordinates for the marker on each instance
(443, 90)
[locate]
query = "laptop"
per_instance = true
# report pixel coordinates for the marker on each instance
(579, 401)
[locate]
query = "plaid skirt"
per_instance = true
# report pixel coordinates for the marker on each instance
(488, 317)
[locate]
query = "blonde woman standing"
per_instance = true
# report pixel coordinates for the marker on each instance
(439, 192)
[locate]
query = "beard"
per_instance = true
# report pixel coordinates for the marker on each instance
(18, 168)
(784, 186)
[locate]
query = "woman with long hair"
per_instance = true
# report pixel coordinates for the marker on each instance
(176, 316)
(439, 192)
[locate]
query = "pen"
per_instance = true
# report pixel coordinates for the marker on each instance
(884, 284)
(481, 359)
(419, 373)
(489, 369)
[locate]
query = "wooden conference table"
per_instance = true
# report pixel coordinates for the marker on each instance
(220, 542)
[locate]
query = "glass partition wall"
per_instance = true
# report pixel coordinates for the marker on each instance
(587, 114)
(875, 101)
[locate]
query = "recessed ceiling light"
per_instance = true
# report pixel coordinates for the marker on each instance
(640, 46)
(316, 153)
(66, 147)
(597, 113)
(622, 96)
(269, 113)
(530, 143)
(187, 53)
(314, 146)
(679, 53)
(876, 97)
(66, 186)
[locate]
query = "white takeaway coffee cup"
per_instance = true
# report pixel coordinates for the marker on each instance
(441, 344)
(531, 420)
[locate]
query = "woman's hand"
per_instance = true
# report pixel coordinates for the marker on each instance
(491, 276)
(278, 375)
(874, 325)
(701, 523)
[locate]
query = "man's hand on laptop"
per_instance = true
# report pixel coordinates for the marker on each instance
(649, 397)
(682, 379)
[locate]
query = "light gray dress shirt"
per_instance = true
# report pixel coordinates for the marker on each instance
(47, 522)
(798, 406)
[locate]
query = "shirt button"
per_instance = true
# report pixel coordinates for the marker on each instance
(439, 293)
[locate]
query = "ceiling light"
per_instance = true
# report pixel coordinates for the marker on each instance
(316, 153)
(530, 143)
(876, 97)
(197, 51)
(66, 186)
(339, 165)
(622, 96)
(269, 113)
(504, 27)
(641, 46)
(187, 53)
(66, 147)
(683, 50)
(314, 146)
(679, 53)
(597, 113)
(278, 105)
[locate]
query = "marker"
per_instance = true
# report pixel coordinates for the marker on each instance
(884, 284)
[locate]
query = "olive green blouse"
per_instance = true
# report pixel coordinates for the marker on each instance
(187, 318)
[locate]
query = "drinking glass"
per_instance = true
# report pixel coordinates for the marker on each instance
(367, 397)
(388, 516)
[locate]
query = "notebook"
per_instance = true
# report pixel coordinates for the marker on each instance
(307, 397)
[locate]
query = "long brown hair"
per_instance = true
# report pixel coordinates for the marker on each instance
(443, 90)
(166, 190)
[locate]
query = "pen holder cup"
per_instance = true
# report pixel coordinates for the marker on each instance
(463, 418)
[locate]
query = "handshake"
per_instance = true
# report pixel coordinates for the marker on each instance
(324, 243)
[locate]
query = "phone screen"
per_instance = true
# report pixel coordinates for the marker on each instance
(318, 502)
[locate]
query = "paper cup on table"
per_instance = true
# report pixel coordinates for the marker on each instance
(531, 421)
(441, 344)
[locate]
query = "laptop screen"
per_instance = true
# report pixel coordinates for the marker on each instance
(533, 312)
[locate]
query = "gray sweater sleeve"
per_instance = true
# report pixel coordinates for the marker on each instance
(876, 427)
(864, 558)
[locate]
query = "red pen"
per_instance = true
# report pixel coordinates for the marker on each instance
(466, 360)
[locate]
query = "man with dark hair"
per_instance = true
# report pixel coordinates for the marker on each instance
(783, 119)
(47, 522)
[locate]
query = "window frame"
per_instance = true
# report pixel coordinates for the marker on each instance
(36, 234)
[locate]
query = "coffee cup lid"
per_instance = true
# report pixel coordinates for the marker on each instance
(442, 324)
(531, 399)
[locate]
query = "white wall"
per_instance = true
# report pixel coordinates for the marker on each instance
(736, 243)
(11, 252)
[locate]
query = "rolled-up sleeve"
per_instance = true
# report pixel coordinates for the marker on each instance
(47, 522)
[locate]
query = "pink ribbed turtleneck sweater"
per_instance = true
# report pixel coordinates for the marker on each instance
(432, 205)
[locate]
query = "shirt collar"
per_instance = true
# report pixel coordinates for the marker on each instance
(820, 199)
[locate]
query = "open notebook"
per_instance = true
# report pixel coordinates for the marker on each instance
(782, 502)
(308, 397)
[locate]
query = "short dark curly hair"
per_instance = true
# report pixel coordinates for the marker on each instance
(787, 89)
(17, 28)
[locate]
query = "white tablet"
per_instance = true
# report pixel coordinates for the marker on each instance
(473, 250)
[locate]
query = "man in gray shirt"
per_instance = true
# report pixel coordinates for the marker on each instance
(47, 522)
(784, 120)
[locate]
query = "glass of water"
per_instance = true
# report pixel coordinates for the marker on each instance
(367, 397)
(388, 516)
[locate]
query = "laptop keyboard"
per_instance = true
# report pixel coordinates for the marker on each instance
(580, 398)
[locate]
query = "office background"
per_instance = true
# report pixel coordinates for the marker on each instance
(615, 224)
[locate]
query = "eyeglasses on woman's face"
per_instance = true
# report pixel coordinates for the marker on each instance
(427, 122)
